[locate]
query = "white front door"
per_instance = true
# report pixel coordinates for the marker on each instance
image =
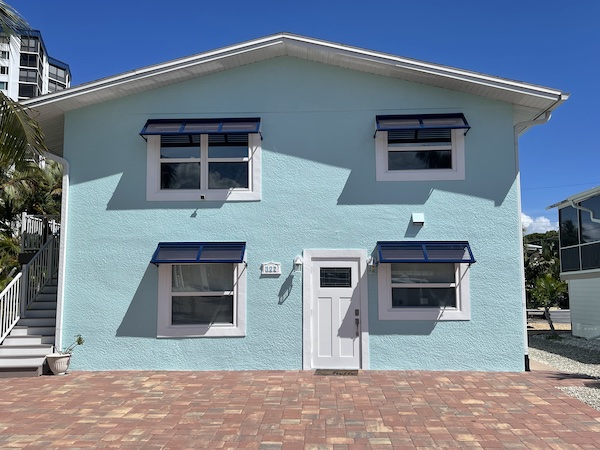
(333, 293)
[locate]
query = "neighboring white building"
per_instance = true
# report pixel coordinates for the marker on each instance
(26, 69)
(579, 219)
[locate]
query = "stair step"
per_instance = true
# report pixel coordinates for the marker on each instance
(32, 330)
(25, 350)
(26, 340)
(49, 289)
(45, 297)
(37, 322)
(41, 313)
(11, 362)
(23, 339)
(18, 372)
(43, 304)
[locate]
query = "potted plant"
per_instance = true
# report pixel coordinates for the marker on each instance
(58, 362)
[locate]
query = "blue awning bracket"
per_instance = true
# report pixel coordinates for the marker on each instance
(198, 252)
(422, 122)
(424, 252)
(189, 127)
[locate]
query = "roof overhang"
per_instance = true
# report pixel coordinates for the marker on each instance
(529, 101)
(577, 198)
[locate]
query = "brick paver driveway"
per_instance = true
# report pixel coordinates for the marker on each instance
(295, 410)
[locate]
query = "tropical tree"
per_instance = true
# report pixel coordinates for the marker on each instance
(546, 291)
(21, 138)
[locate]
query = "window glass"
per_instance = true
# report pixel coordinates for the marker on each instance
(27, 90)
(180, 176)
(569, 259)
(569, 226)
(205, 310)
(590, 256)
(420, 160)
(423, 273)
(202, 278)
(180, 152)
(4, 55)
(590, 231)
(28, 75)
(226, 175)
(28, 60)
(423, 297)
(230, 151)
(29, 44)
(3, 85)
(336, 277)
(4, 70)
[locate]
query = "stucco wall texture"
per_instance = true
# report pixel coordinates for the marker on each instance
(318, 192)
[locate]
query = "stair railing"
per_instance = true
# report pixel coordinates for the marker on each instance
(35, 231)
(38, 272)
(10, 306)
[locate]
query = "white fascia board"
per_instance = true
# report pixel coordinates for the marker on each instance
(291, 40)
(577, 198)
(146, 72)
(437, 69)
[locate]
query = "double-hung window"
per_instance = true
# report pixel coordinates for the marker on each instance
(203, 159)
(420, 147)
(201, 289)
(424, 280)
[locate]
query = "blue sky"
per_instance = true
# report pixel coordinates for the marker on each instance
(550, 43)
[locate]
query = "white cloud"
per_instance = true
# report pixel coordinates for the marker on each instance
(539, 224)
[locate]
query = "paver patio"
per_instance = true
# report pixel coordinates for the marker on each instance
(296, 410)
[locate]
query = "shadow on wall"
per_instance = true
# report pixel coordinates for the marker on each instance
(140, 318)
(401, 327)
(360, 188)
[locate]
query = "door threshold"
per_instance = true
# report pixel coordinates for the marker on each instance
(338, 372)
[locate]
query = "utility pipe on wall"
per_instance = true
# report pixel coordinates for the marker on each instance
(64, 208)
(517, 127)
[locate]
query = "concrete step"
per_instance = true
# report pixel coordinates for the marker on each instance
(43, 304)
(41, 313)
(18, 362)
(45, 298)
(32, 330)
(26, 340)
(49, 289)
(25, 350)
(37, 322)
(18, 372)
(22, 339)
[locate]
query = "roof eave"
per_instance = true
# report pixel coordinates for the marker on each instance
(289, 42)
(577, 198)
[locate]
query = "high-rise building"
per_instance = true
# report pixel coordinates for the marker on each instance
(26, 69)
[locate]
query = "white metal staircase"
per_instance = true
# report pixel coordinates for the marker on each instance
(28, 307)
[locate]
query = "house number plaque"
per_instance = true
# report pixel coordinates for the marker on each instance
(271, 268)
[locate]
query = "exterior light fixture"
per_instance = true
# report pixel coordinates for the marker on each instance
(418, 219)
(298, 263)
(371, 264)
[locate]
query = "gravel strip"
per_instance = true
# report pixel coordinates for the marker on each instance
(573, 355)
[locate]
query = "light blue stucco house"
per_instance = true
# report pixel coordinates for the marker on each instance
(290, 203)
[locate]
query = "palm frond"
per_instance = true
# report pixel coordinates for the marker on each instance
(21, 138)
(10, 20)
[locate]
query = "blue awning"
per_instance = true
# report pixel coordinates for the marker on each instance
(422, 122)
(424, 252)
(186, 127)
(198, 252)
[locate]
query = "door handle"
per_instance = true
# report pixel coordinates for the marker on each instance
(357, 323)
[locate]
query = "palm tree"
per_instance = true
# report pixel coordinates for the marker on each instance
(21, 138)
(547, 291)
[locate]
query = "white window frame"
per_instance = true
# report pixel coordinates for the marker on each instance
(457, 172)
(166, 329)
(462, 311)
(252, 193)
